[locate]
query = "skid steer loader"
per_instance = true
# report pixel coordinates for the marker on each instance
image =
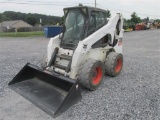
(89, 46)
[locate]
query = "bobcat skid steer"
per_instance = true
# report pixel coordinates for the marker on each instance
(89, 47)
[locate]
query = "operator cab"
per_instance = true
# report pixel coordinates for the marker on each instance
(80, 22)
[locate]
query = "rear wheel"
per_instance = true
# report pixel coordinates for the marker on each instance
(114, 64)
(91, 74)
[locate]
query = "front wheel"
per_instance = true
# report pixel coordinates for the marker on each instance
(91, 74)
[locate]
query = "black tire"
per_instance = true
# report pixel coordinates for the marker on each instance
(114, 64)
(91, 73)
(43, 63)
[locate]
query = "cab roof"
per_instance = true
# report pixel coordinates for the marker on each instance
(87, 7)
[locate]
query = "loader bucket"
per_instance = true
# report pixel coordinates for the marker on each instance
(51, 92)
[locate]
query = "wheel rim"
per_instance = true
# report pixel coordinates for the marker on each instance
(97, 75)
(119, 65)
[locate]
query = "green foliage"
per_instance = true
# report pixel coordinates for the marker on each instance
(14, 15)
(62, 19)
(128, 24)
(31, 21)
(147, 19)
(4, 18)
(46, 19)
(157, 20)
(80, 4)
(134, 18)
(22, 34)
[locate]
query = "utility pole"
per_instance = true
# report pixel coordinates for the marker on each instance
(95, 3)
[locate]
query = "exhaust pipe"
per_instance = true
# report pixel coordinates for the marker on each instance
(50, 92)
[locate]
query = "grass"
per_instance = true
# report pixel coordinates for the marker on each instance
(22, 34)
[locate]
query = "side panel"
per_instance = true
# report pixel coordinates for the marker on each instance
(118, 47)
(97, 54)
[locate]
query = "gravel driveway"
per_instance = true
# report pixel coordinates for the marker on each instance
(133, 95)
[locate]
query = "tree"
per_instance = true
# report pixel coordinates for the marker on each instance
(157, 20)
(11, 15)
(62, 19)
(135, 18)
(147, 19)
(108, 13)
(4, 18)
(31, 21)
(80, 4)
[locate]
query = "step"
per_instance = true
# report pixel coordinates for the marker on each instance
(66, 57)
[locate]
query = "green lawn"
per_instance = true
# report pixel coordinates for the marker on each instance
(22, 34)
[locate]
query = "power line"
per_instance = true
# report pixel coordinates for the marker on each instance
(31, 1)
(35, 3)
(142, 2)
(149, 6)
(141, 6)
(126, 11)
